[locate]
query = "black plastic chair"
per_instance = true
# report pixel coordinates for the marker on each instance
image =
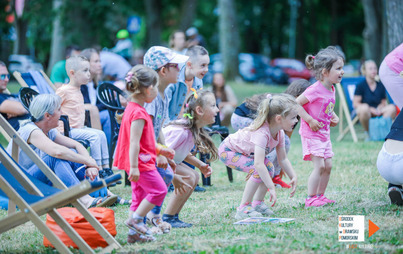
(223, 131)
(109, 95)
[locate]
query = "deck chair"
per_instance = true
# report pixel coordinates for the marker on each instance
(35, 198)
(346, 90)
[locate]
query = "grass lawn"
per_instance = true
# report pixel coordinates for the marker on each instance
(355, 184)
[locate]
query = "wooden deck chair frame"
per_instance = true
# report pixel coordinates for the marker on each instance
(18, 77)
(2, 132)
(344, 110)
(67, 195)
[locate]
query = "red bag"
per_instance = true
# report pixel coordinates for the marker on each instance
(105, 216)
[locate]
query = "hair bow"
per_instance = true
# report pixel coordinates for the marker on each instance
(129, 76)
(188, 115)
(269, 96)
(195, 92)
(313, 57)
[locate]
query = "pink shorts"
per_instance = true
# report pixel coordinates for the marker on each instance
(317, 148)
(150, 186)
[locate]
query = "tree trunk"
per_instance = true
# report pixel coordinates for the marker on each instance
(394, 13)
(153, 22)
(188, 13)
(57, 43)
(229, 38)
(20, 44)
(372, 33)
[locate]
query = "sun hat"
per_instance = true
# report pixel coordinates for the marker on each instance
(157, 56)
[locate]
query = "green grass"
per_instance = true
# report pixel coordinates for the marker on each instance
(355, 183)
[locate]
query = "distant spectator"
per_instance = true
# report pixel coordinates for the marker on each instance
(177, 42)
(114, 66)
(370, 96)
(225, 97)
(194, 38)
(124, 45)
(59, 75)
(10, 107)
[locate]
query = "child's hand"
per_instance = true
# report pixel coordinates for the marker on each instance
(206, 170)
(273, 197)
(293, 184)
(91, 173)
(162, 162)
(315, 125)
(134, 174)
(334, 120)
(167, 152)
(91, 163)
(180, 185)
(172, 164)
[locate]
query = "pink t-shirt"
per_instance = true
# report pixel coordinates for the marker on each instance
(147, 153)
(395, 59)
(72, 105)
(180, 139)
(244, 140)
(320, 107)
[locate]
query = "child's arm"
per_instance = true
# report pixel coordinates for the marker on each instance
(334, 120)
(264, 173)
(136, 131)
(286, 165)
(314, 124)
(204, 167)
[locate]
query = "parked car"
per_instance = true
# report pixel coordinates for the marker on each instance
(252, 68)
(294, 68)
(23, 63)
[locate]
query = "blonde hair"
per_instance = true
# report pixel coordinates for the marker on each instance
(73, 63)
(201, 138)
(364, 64)
(324, 59)
(278, 104)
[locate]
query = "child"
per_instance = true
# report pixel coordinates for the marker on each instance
(182, 136)
(165, 62)
(190, 76)
(246, 151)
(246, 113)
(136, 152)
(317, 116)
(78, 70)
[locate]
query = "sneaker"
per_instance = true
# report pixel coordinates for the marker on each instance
(199, 189)
(325, 199)
(278, 182)
(396, 196)
(138, 226)
(171, 188)
(138, 238)
(263, 209)
(175, 222)
(246, 212)
(314, 201)
(157, 222)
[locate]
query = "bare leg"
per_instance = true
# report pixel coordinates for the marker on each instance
(250, 190)
(94, 115)
(364, 115)
(144, 207)
(324, 176)
(177, 200)
(314, 178)
(389, 111)
(261, 192)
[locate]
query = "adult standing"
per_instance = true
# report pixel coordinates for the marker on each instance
(10, 107)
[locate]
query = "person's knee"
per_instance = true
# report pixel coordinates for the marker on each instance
(363, 111)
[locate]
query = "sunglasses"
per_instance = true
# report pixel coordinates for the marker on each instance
(172, 65)
(4, 76)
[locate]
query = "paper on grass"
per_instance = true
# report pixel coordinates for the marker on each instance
(256, 220)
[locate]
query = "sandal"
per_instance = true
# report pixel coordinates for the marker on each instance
(134, 225)
(105, 201)
(122, 201)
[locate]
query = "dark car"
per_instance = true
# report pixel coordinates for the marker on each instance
(294, 68)
(252, 68)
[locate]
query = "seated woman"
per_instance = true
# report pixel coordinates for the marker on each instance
(390, 161)
(56, 150)
(370, 97)
(225, 97)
